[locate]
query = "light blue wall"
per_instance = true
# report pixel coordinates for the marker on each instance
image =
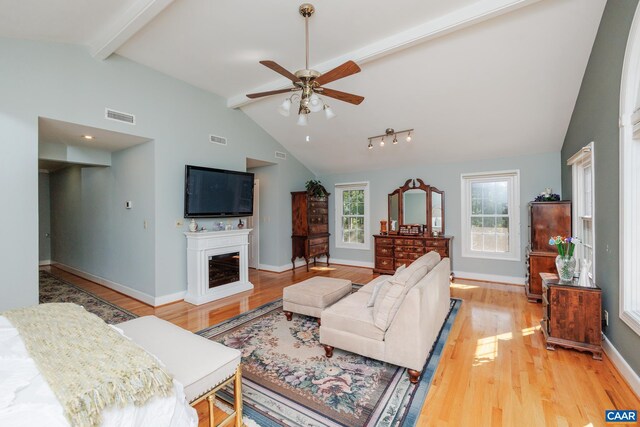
(595, 118)
(44, 217)
(63, 82)
(91, 229)
(536, 173)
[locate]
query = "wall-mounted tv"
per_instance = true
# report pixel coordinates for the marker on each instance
(215, 193)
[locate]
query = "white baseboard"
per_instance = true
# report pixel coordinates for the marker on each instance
(301, 263)
(621, 365)
(513, 280)
(44, 262)
(133, 293)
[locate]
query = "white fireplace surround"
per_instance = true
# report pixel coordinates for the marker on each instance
(204, 244)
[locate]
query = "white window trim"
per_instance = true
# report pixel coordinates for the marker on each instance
(629, 250)
(582, 157)
(339, 188)
(514, 214)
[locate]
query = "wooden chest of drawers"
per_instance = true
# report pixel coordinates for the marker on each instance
(392, 251)
(571, 316)
(310, 227)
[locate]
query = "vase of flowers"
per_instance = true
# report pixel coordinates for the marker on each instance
(565, 261)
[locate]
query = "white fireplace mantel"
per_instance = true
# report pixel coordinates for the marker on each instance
(204, 244)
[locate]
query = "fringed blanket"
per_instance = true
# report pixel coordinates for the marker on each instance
(88, 365)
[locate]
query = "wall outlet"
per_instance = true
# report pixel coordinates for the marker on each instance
(179, 223)
(606, 318)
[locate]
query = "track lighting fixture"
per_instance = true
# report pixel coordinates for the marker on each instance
(388, 133)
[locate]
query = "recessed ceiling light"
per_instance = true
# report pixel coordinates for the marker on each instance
(307, 138)
(87, 136)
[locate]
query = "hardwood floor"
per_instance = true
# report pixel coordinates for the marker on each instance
(494, 371)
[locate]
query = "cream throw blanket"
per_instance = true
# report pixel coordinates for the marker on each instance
(88, 365)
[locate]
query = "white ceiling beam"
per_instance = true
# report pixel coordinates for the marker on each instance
(126, 25)
(446, 24)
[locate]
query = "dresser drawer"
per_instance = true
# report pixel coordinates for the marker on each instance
(322, 204)
(315, 250)
(409, 242)
(318, 228)
(384, 251)
(319, 241)
(315, 219)
(318, 211)
(384, 263)
(383, 241)
(438, 243)
(412, 255)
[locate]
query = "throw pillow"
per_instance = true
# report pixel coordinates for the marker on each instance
(389, 300)
(378, 286)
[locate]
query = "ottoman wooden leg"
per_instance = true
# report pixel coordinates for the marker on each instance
(328, 350)
(237, 396)
(289, 315)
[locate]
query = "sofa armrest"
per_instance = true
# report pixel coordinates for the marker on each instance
(415, 327)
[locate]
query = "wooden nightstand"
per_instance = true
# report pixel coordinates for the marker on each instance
(571, 315)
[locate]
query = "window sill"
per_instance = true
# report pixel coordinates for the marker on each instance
(492, 256)
(363, 247)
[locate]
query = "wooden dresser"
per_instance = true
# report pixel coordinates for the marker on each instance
(546, 219)
(393, 250)
(571, 316)
(310, 227)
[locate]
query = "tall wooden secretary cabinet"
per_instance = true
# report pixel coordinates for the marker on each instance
(546, 219)
(310, 227)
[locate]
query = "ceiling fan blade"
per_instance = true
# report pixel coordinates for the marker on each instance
(341, 71)
(342, 96)
(271, 92)
(280, 70)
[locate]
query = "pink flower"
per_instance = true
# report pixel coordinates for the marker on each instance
(334, 385)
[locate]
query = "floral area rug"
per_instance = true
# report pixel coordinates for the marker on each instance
(287, 380)
(53, 289)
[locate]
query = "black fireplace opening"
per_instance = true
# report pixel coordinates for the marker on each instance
(224, 269)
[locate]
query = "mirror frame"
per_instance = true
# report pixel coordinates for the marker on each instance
(415, 184)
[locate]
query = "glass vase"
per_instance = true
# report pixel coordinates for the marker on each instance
(566, 266)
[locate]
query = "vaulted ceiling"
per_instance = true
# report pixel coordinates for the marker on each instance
(476, 79)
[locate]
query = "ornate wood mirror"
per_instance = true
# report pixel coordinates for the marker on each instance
(417, 203)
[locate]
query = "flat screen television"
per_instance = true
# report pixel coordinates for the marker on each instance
(215, 193)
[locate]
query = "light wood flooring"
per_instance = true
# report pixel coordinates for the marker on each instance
(494, 371)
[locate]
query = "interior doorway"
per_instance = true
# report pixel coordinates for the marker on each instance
(253, 222)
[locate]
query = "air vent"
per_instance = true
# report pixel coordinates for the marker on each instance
(281, 155)
(119, 116)
(218, 140)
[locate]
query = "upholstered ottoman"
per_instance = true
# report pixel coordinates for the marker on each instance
(200, 365)
(313, 295)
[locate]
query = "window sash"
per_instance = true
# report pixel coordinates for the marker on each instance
(352, 212)
(486, 241)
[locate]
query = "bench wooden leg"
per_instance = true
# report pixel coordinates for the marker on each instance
(211, 399)
(237, 396)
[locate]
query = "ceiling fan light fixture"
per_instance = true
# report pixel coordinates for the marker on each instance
(329, 114)
(302, 119)
(285, 107)
(315, 104)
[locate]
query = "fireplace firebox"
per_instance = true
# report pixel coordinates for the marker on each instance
(224, 269)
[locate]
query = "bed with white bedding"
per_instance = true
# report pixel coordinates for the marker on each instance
(27, 400)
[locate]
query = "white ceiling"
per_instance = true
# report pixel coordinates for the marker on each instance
(476, 79)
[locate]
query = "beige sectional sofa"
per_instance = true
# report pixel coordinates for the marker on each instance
(404, 321)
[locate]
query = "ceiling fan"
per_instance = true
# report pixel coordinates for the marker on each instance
(310, 82)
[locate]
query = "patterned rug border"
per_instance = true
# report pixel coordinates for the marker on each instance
(410, 415)
(102, 300)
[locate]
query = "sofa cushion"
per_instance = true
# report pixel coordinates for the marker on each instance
(412, 274)
(352, 315)
(391, 296)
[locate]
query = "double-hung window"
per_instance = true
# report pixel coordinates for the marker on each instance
(582, 179)
(491, 215)
(352, 215)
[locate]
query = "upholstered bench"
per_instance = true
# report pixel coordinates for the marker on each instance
(313, 295)
(200, 365)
